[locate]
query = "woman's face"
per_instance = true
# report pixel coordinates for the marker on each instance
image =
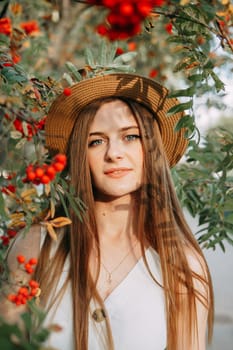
(115, 153)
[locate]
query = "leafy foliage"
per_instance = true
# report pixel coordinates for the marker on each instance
(30, 335)
(205, 187)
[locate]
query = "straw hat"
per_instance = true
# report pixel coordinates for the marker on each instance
(65, 109)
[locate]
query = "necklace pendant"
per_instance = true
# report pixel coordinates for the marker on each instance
(109, 278)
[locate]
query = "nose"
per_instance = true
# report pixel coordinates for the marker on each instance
(114, 150)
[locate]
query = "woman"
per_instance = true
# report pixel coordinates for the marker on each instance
(130, 275)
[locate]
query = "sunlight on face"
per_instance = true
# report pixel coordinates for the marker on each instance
(115, 153)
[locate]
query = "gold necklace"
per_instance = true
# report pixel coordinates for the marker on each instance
(109, 273)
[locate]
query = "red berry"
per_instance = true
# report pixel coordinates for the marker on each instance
(24, 300)
(32, 261)
(34, 291)
(9, 188)
(31, 175)
(33, 284)
(11, 233)
(16, 58)
(144, 9)
(126, 9)
(28, 268)
(5, 240)
(45, 179)
(18, 125)
(39, 172)
(168, 28)
(21, 259)
(101, 29)
(58, 166)
(132, 46)
(29, 168)
(153, 73)
(51, 172)
(23, 291)
(7, 64)
(11, 297)
(67, 91)
(61, 158)
(108, 3)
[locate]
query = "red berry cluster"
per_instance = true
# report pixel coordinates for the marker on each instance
(29, 291)
(8, 236)
(28, 265)
(5, 26)
(47, 172)
(125, 16)
(32, 128)
(8, 189)
(30, 27)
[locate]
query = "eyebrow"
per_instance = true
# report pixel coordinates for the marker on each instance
(120, 130)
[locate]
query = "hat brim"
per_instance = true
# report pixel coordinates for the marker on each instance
(65, 109)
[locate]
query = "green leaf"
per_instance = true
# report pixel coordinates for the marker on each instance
(184, 92)
(71, 67)
(26, 317)
(36, 311)
(41, 336)
(125, 57)
(3, 214)
(12, 76)
(179, 39)
(89, 57)
(74, 206)
(112, 52)
(118, 68)
(185, 121)
(64, 206)
(6, 333)
(219, 85)
(196, 78)
(68, 78)
(103, 54)
(180, 107)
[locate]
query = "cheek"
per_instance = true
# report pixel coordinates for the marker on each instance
(94, 168)
(91, 160)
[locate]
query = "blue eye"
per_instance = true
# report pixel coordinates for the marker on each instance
(95, 142)
(132, 137)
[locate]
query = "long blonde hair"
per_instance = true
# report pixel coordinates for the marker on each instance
(161, 224)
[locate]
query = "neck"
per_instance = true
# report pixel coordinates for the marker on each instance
(116, 219)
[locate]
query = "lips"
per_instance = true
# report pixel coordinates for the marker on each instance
(117, 172)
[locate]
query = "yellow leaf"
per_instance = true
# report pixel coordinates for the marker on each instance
(47, 189)
(27, 194)
(184, 2)
(56, 223)
(225, 2)
(51, 231)
(60, 221)
(17, 216)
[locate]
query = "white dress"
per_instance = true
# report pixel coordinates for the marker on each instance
(136, 311)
